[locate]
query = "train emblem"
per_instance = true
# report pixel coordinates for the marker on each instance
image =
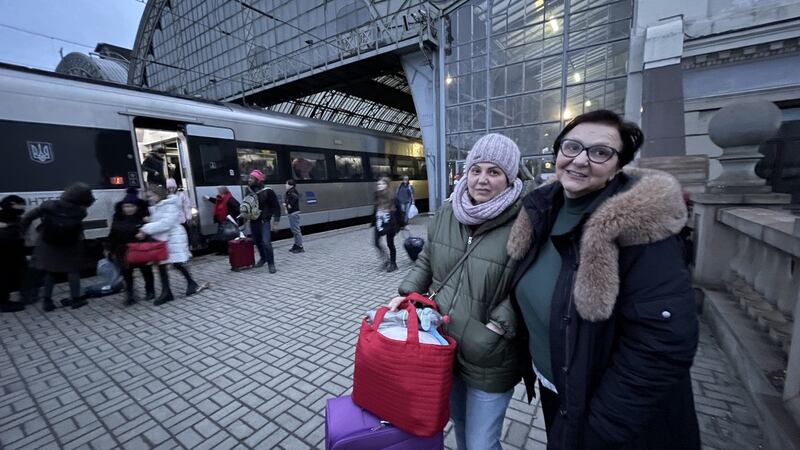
(41, 152)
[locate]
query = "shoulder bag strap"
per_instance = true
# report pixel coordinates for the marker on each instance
(460, 262)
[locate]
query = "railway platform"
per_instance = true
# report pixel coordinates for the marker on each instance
(248, 363)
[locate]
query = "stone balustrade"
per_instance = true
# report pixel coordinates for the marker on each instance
(764, 277)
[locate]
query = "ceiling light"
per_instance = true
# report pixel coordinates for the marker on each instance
(554, 25)
(588, 103)
(448, 79)
(577, 77)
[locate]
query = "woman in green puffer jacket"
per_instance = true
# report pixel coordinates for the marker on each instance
(476, 296)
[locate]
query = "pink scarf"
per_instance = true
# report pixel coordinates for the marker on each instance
(470, 214)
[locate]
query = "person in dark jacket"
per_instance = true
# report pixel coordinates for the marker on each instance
(405, 198)
(605, 294)
(153, 168)
(224, 205)
(12, 251)
(62, 253)
(387, 221)
(293, 211)
(129, 216)
(476, 294)
(262, 227)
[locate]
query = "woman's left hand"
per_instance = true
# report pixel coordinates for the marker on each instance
(395, 302)
(140, 235)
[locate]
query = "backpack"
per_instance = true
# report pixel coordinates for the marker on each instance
(62, 225)
(249, 208)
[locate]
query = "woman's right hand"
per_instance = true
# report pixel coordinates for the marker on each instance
(395, 302)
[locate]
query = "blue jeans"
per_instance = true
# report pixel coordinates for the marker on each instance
(262, 238)
(477, 416)
(294, 225)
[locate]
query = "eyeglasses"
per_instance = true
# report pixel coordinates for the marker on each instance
(597, 154)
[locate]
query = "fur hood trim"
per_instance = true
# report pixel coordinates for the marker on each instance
(650, 210)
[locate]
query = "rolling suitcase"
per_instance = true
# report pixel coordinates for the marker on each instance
(348, 427)
(241, 254)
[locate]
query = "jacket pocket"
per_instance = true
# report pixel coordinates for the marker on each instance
(481, 346)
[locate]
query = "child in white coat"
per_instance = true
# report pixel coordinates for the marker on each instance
(165, 225)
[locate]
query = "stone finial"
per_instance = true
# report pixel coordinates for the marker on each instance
(745, 123)
(739, 129)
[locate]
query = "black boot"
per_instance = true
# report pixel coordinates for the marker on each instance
(129, 298)
(166, 291)
(78, 302)
(150, 295)
(293, 249)
(9, 306)
(391, 267)
(192, 288)
(48, 305)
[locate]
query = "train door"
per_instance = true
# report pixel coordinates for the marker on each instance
(211, 155)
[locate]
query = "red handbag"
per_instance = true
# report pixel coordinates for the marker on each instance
(404, 382)
(140, 253)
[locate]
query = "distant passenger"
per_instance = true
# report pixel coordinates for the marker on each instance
(260, 226)
(130, 215)
(12, 251)
(293, 211)
(59, 245)
(164, 225)
(153, 168)
(225, 205)
(185, 202)
(386, 220)
(405, 198)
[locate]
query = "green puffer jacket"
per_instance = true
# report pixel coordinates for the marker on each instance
(478, 292)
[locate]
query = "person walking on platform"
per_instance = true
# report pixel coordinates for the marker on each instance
(405, 198)
(293, 211)
(386, 220)
(464, 260)
(260, 226)
(130, 215)
(164, 225)
(59, 245)
(12, 251)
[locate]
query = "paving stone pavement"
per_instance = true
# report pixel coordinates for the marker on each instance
(246, 364)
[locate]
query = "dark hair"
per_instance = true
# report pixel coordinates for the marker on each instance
(290, 182)
(630, 133)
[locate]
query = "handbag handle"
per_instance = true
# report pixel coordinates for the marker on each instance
(412, 333)
(472, 245)
(415, 297)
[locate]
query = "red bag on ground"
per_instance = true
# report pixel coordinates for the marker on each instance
(140, 253)
(404, 382)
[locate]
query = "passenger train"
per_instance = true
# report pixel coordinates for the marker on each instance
(60, 129)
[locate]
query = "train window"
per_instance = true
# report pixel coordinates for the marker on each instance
(308, 166)
(405, 167)
(349, 167)
(380, 167)
(218, 161)
(422, 174)
(258, 158)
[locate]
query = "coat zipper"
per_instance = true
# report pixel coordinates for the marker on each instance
(565, 368)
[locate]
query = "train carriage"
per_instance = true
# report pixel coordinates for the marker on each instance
(59, 129)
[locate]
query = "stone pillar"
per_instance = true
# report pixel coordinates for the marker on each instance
(420, 76)
(739, 129)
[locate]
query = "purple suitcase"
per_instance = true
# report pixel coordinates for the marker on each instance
(348, 427)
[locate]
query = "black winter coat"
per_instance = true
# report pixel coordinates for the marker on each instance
(123, 231)
(292, 201)
(623, 325)
(268, 203)
(12, 251)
